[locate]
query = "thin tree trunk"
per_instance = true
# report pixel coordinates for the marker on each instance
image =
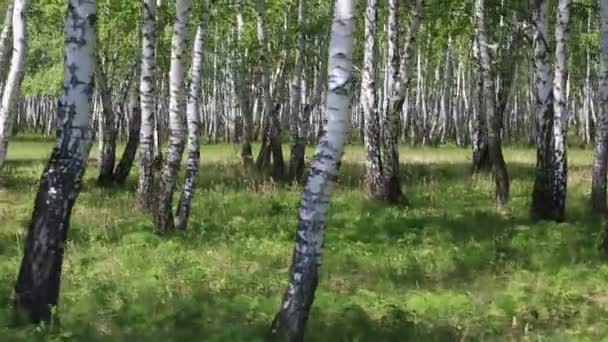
(290, 321)
(560, 111)
(373, 162)
(177, 131)
(6, 44)
(108, 130)
(600, 163)
(192, 112)
(242, 93)
(145, 186)
(37, 288)
(15, 75)
(298, 125)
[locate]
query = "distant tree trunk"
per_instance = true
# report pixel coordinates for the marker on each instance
(542, 195)
(192, 112)
(126, 161)
(560, 111)
(107, 159)
(37, 288)
(290, 321)
(242, 93)
(373, 164)
(488, 91)
(177, 137)
(600, 163)
(6, 44)
(297, 123)
(145, 186)
(399, 82)
(15, 75)
(271, 140)
(479, 139)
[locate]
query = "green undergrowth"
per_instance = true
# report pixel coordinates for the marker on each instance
(447, 268)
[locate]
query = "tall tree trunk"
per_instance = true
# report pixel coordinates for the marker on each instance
(15, 75)
(560, 111)
(192, 113)
(145, 186)
(373, 163)
(298, 123)
(107, 159)
(542, 195)
(488, 91)
(290, 321)
(399, 82)
(6, 44)
(271, 140)
(177, 130)
(242, 92)
(37, 288)
(600, 163)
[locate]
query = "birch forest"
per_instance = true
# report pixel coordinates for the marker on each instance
(303, 170)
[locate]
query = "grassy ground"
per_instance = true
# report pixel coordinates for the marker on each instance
(449, 268)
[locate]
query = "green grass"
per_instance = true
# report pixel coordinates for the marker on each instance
(449, 268)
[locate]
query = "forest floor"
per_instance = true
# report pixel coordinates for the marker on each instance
(448, 268)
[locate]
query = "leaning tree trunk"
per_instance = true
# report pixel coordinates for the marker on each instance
(297, 125)
(560, 159)
(600, 163)
(107, 159)
(373, 163)
(37, 288)
(15, 75)
(398, 91)
(542, 194)
(488, 91)
(145, 186)
(164, 212)
(192, 113)
(6, 44)
(290, 321)
(121, 173)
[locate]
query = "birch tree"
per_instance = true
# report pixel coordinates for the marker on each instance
(108, 132)
(148, 106)
(488, 105)
(373, 163)
(6, 43)
(542, 195)
(177, 130)
(291, 319)
(15, 75)
(37, 288)
(560, 110)
(192, 113)
(271, 139)
(241, 89)
(298, 123)
(600, 163)
(399, 82)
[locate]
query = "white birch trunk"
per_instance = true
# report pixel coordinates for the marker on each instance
(177, 110)
(15, 75)
(291, 320)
